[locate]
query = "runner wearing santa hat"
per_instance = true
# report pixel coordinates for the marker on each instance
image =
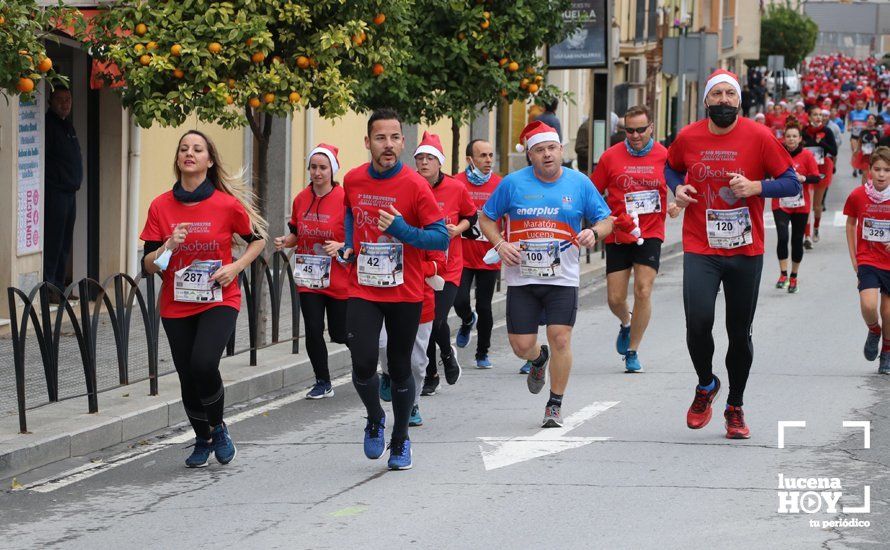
(545, 204)
(821, 141)
(317, 233)
(727, 159)
(460, 214)
(631, 174)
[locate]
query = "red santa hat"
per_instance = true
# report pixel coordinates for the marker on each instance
(720, 76)
(329, 151)
(431, 145)
(534, 133)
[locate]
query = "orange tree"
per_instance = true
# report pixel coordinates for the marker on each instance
(468, 55)
(244, 62)
(23, 28)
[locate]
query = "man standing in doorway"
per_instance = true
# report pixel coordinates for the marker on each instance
(64, 173)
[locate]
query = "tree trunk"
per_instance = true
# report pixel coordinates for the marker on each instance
(455, 147)
(261, 128)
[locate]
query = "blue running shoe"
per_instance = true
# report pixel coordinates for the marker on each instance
(320, 390)
(400, 454)
(375, 439)
(200, 454)
(623, 341)
(872, 346)
(415, 419)
(483, 362)
(385, 388)
(632, 362)
(526, 368)
(463, 333)
(223, 447)
(884, 365)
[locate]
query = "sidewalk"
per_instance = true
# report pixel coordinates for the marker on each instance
(63, 430)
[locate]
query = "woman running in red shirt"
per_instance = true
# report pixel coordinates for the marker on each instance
(868, 140)
(188, 238)
(819, 139)
(317, 232)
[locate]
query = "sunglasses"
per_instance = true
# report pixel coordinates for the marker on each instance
(640, 131)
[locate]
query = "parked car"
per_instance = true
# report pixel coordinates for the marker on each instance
(786, 77)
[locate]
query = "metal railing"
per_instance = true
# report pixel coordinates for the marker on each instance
(121, 295)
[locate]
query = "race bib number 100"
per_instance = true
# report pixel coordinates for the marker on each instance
(539, 259)
(193, 284)
(876, 231)
(312, 271)
(380, 264)
(729, 228)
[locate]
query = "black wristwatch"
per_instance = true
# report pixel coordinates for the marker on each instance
(595, 234)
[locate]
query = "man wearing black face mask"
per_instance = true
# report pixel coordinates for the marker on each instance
(719, 170)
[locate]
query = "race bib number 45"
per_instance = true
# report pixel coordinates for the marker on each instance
(193, 284)
(539, 259)
(729, 228)
(312, 271)
(876, 231)
(380, 264)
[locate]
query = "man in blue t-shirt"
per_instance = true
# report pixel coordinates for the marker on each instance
(545, 205)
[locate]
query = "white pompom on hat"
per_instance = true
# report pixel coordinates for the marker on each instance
(329, 151)
(534, 133)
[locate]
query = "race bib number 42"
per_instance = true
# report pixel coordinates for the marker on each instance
(729, 228)
(193, 284)
(876, 231)
(539, 259)
(380, 264)
(312, 271)
(642, 202)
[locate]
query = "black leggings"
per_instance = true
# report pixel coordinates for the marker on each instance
(798, 224)
(486, 279)
(441, 334)
(740, 276)
(197, 343)
(314, 306)
(363, 324)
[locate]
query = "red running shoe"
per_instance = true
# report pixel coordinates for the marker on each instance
(700, 412)
(735, 423)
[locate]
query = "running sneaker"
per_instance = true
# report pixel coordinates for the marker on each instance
(735, 423)
(400, 454)
(463, 333)
(415, 419)
(552, 417)
(525, 368)
(792, 286)
(375, 438)
(483, 362)
(884, 365)
(623, 341)
(538, 372)
(808, 244)
(385, 387)
(430, 383)
(782, 283)
(872, 342)
(320, 390)
(223, 447)
(200, 454)
(700, 412)
(632, 362)
(815, 235)
(451, 367)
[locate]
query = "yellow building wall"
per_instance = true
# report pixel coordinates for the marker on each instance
(348, 134)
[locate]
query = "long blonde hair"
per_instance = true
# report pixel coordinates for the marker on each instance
(228, 184)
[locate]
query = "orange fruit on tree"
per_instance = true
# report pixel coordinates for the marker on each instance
(258, 57)
(503, 61)
(141, 29)
(524, 83)
(486, 14)
(513, 67)
(377, 69)
(145, 59)
(151, 46)
(276, 59)
(214, 47)
(2, 20)
(529, 70)
(249, 41)
(294, 97)
(25, 85)
(229, 99)
(358, 39)
(379, 19)
(485, 24)
(176, 50)
(461, 36)
(503, 93)
(231, 83)
(139, 48)
(254, 102)
(532, 88)
(268, 97)
(178, 73)
(539, 79)
(303, 62)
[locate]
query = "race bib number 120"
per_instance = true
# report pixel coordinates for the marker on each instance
(729, 228)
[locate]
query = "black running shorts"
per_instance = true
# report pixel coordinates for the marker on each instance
(526, 303)
(623, 256)
(872, 277)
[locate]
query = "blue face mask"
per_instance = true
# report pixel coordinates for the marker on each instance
(475, 175)
(642, 152)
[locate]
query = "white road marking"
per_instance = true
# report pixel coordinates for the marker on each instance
(86, 471)
(506, 451)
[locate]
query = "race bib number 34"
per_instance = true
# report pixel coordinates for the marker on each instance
(312, 271)
(876, 231)
(729, 228)
(642, 202)
(539, 259)
(193, 284)
(380, 264)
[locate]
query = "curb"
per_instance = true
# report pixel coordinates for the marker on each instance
(65, 431)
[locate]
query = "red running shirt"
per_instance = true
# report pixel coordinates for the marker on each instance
(433, 264)
(411, 195)
(455, 202)
(867, 213)
(475, 250)
(708, 159)
(316, 220)
(804, 163)
(618, 173)
(213, 222)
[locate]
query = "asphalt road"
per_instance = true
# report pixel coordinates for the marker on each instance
(629, 474)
